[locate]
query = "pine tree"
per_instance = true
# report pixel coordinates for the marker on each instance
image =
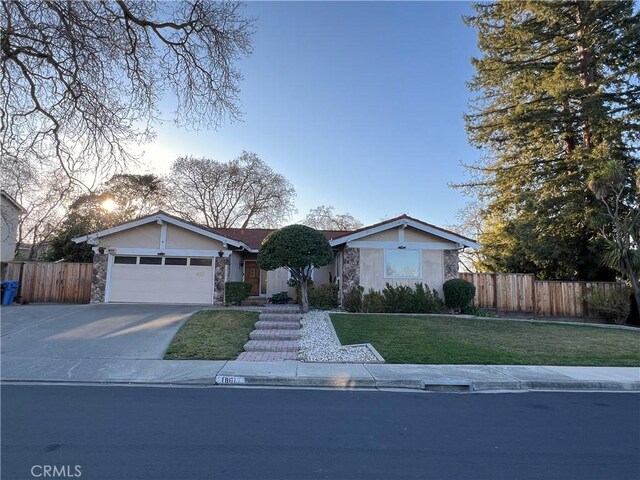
(556, 96)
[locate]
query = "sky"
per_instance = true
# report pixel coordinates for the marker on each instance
(359, 105)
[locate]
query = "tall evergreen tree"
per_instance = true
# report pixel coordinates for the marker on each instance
(556, 96)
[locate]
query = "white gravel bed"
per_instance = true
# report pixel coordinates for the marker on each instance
(319, 344)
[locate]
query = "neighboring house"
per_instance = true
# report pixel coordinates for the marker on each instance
(162, 258)
(10, 211)
(25, 252)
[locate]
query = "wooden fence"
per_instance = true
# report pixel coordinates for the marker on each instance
(521, 292)
(52, 282)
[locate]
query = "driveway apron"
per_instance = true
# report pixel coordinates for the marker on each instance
(36, 334)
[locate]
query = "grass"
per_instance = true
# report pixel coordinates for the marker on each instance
(212, 335)
(447, 340)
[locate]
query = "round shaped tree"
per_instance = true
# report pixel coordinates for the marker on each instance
(299, 249)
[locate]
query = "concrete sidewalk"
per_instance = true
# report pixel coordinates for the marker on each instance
(300, 374)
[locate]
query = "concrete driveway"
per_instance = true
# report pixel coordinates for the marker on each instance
(90, 331)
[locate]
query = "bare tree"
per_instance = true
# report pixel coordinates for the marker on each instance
(244, 192)
(80, 82)
(324, 218)
(470, 224)
(44, 196)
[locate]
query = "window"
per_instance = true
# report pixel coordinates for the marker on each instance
(125, 260)
(150, 260)
(402, 264)
(200, 262)
(175, 261)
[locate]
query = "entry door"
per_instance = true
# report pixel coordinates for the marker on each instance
(252, 275)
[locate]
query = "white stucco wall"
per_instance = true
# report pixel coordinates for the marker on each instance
(277, 282)
(9, 217)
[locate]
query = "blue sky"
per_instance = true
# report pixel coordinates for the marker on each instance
(359, 105)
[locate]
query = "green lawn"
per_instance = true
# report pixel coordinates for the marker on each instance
(212, 335)
(448, 340)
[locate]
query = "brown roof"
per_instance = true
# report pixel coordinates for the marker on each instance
(253, 237)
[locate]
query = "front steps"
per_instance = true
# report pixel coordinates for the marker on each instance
(275, 337)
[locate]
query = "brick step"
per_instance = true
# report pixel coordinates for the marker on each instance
(281, 309)
(281, 317)
(272, 334)
(270, 325)
(271, 346)
(267, 356)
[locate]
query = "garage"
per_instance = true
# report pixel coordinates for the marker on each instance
(160, 279)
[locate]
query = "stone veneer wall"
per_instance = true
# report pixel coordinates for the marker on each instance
(99, 277)
(218, 279)
(350, 269)
(450, 264)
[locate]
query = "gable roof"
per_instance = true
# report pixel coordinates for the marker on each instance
(161, 216)
(248, 238)
(12, 201)
(251, 239)
(405, 220)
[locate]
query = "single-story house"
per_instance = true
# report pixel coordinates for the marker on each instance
(161, 258)
(10, 211)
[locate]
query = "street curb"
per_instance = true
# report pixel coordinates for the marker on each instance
(443, 384)
(460, 385)
(416, 377)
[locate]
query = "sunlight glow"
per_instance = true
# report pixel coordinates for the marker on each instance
(109, 205)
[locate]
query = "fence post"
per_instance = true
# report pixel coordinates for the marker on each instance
(20, 279)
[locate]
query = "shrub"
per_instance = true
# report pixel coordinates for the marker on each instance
(426, 300)
(394, 299)
(373, 302)
(321, 296)
(398, 299)
(404, 299)
(280, 298)
(613, 305)
(236, 292)
(458, 293)
(353, 300)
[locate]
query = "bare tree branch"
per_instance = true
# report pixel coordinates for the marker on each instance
(244, 192)
(81, 81)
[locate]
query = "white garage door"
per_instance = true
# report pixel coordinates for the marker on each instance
(161, 280)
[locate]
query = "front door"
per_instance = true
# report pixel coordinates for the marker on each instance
(252, 275)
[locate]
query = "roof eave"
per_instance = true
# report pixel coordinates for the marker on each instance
(13, 202)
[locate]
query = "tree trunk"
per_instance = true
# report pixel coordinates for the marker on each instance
(304, 297)
(587, 70)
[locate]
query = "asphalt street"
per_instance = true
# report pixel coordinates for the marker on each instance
(121, 432)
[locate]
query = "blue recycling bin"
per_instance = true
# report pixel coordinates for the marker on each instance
(9, 291)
